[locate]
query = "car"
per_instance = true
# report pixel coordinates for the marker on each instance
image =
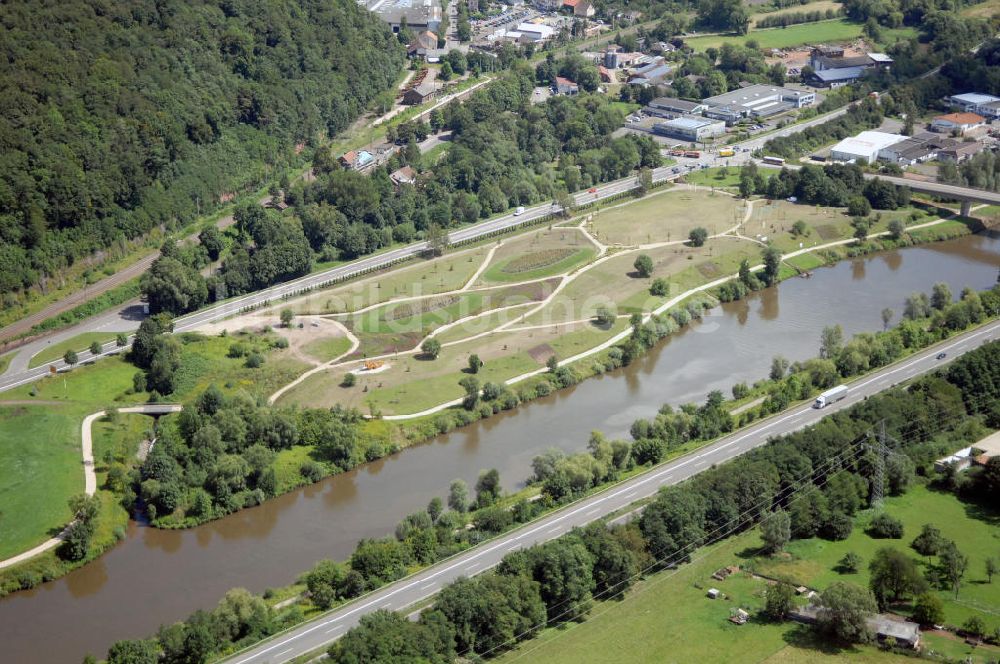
(941, 356)
(592, 190)
(675, 169)
(519, 211)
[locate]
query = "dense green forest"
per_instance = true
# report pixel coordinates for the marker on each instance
(121, 116)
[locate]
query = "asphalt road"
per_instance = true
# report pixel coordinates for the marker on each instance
(398, 596)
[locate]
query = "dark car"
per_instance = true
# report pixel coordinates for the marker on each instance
(941, 356)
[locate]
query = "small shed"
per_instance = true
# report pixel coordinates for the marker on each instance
(714, 593)
(738, 616)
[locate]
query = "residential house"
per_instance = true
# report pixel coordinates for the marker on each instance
(904, 632)
(404, 175)
(356, 160)
(564, 86)
(957, 122)
(916, 149)
(581, 8)
(419, 94)
(959, 152)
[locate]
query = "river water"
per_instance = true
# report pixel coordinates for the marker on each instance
(158, 576)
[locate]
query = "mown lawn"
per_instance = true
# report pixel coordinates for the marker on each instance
(666, 217)
(836, 30)
(78, 343)
(327, 348)
(40, 469)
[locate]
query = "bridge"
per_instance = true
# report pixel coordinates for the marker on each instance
(967, 195)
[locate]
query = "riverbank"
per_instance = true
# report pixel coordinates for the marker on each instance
(536, 382)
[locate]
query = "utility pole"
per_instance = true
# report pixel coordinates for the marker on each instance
(878, 477)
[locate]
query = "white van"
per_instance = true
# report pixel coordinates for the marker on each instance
(519, 211)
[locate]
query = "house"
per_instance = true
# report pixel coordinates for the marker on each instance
(975, 102)
(422, 43)
(957, 122)
(690, 128)
(415, 14)
(616, 58)
(564, 86)
(864, 148)
(959, 152)
(916, 149)
(356, 160)
(670, 107)
(404, 175)
(833, 69)
(979, 453)
(419, 94)
(903, 632)
(581, 8)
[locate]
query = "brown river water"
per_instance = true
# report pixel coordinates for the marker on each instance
(157, 576)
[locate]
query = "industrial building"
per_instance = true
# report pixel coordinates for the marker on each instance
(671, 107)
(690, 128)
(865, 147)
(419, 14)
(974, 102)
(756, 101)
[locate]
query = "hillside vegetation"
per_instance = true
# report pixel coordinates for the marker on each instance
(121, 116)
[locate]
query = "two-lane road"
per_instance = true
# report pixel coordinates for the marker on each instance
(327, 628)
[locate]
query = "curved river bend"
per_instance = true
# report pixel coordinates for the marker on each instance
(158, 576)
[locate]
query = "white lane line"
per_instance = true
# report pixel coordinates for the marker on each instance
(552, 530)
(283, 652)
(472, 566)
(630, 494)
(593, 511)
(330, 631)
(427, 585)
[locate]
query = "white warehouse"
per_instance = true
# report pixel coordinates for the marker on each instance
(864, 147)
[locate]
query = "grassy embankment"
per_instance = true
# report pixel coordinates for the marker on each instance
(667, 616)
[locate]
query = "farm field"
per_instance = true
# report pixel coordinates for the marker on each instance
(821, 6)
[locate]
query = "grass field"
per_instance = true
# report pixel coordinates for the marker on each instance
(78, 343)
(425, 277)
(982, 10)
(837, 30)
(667, 216)
(40, 469)
(821, 5)
(667, 617)
(974, 531)
(537, 255)
(327, 348)
(5, 362)
(714, 177)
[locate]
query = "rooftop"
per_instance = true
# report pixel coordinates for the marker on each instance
(975, 98)
(841, 74)
(689, 122)
(673, 102)
(867, 142)
(961, 118)
(753, 94)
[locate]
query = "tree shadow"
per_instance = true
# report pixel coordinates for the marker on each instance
(806, 637)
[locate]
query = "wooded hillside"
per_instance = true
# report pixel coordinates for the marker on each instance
(120, 115)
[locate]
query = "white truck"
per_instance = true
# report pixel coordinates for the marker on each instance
(831, 395)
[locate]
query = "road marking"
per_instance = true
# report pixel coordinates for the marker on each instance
(552, 530)
(593, 511)
(472, 566)
(632, 493)
(329, 631)
(283, 652)
(387, 605)
(427, 585)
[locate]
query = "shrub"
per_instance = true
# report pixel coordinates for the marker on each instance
(884, 526)
(348, 380)
(698, 236)
(659, 287)
(254, 360)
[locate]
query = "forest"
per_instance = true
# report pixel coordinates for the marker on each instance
(123, 116)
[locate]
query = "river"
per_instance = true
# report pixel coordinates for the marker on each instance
(156, 576)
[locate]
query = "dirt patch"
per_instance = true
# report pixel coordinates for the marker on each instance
(303, 331)
(709, 270)
(541, 353)
(411, 309)
(828, 231)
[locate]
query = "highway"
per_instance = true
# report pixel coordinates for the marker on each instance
(327, 628)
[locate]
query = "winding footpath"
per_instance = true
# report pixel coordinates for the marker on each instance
(89, 476)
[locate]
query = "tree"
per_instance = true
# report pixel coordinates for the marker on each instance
(552, 364)
(953, 564)
(887, 315)
(974, 626)
(940, 296)
(133, 652)
(605, 315)
(458, 496)
(434, 508)
(488, 487)
(928, 609)
(70, 357)
(643, 265)
(886, 526)
(845, 611)
(173, 287)
(121, 340)
(772, 264)
(431, 348)
(437, 240)
(475, 364)
(778, 600)
(831, 341)
(95, 348)
(323, 581)
(850, 563)
(992, 568)
(471, 387)
(896, 228)
(659, 288)
(779, 365)
(894, 576)
(698, 236)
(211, 239)
(349, 379)
(859, 206)
(861, 227)
(775, 531)
(928, 542)
(286, 317)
